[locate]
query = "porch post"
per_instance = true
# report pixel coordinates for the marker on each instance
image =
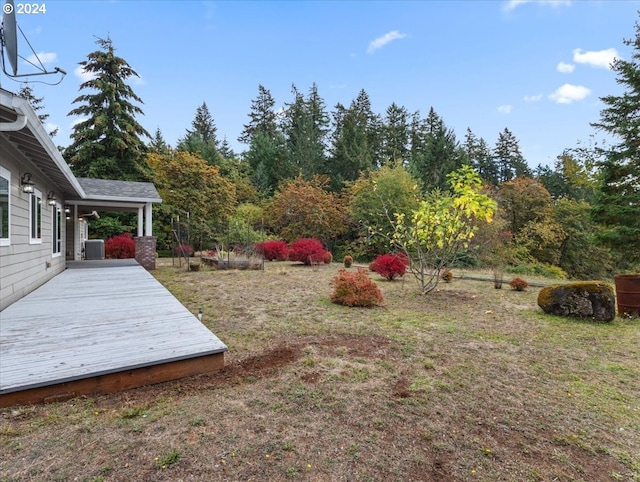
(140, 221)
(148, 223)
(145, 245)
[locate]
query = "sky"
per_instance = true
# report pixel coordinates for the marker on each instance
(538, 68)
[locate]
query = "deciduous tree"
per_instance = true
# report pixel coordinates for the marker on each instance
(432, 235)
(188, 184)
(306, 209)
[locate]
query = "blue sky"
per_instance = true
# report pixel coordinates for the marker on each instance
(538, 68)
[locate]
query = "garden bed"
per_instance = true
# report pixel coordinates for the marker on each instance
(231, 263)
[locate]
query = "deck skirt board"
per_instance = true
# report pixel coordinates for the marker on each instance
(95, 322)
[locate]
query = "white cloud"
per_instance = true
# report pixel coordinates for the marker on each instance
(82, 74)
(139, 81)
(384, 40)
(600, 58)
(566, 68)
(569, 93)
(533, 98)
(505, 109)
(510, 5)
(44, 58)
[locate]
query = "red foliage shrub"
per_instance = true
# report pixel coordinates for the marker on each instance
(348, 261)
(446, 275)
(390, 265)
(355, 289)
(518, 284)
(120, 247)
(307, 250)
(273, 250)
(328, 257)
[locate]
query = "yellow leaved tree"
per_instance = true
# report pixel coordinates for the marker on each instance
(444, 223)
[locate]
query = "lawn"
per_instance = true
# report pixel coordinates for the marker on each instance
(467, 383)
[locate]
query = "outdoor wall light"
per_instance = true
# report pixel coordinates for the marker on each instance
(51, 198)
(67, 209)
(27, 184)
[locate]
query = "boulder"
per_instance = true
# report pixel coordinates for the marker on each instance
(589, 299)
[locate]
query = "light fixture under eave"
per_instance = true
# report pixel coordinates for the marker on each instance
(51, 198)
(67, 209)
(27, 184)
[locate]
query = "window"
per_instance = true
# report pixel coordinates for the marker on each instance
(56, 230)
(35, 217)
(5, 203)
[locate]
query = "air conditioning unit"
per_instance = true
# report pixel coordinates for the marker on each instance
(94, 249)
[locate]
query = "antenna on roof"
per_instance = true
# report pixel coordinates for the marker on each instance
(9, 46)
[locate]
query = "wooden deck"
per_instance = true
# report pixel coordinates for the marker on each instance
(106, 327)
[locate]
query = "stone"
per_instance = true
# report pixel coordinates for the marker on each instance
(589, 299)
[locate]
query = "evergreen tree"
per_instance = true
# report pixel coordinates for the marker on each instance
(26, 92)
(204, 126)
(395, 135)
(479, 155)
(306, 126)
(108, 144)
(202, 138)
(352, 150)
(225, 149)
(508, 158)
(435, 152)
(617, 203)
(158, 143)
(262, 115)
(269, 161)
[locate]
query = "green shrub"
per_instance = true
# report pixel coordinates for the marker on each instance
(537, 269)
(355, 289)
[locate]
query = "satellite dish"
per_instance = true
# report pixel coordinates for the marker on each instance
(10, 34)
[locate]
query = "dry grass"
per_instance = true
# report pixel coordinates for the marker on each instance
(466, 383)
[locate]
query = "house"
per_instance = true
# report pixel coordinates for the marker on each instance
(70, 332)
(43, 206)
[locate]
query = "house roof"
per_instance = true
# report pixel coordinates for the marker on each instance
(104, 189)
(32, 141)
(23, 130)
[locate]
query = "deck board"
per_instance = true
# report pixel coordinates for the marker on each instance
(95, 321)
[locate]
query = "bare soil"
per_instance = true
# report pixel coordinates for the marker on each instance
(465, 383)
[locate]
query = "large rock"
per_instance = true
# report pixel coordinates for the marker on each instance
(589, 299)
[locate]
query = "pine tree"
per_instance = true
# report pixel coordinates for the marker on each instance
(158, 143)
(508, 158)
(204, 126)
(352, 150)
(435, 152)
(395, 135)
(479, 155)
(26, 92)
(201, 139)
(617, 203)
(306, 126)
(108, 144)
(269, 161)
(262, 115)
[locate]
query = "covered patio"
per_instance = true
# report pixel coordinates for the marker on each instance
(99, 327)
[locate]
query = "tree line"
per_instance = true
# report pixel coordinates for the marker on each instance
(340, 175)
